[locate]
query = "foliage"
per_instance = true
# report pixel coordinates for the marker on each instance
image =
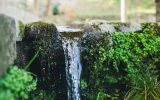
(16, 84)
(83, 88)
(134, 50)
(83, 84)
(21, 29)
(44, 95)
(151, 28)
(101, 96)
(55, 9)
(131, 60)
(31, 61)
(100, 78)
(146, 87)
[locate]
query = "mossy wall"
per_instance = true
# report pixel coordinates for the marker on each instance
(100, 79)
(111, 52)
(49, 66)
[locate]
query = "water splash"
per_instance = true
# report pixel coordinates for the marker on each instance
(73, 67)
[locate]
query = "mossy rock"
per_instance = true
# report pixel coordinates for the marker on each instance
(31, 36)
(151, 28)
(100, 35)
(113, 26)
(39, 30)
(49, 66)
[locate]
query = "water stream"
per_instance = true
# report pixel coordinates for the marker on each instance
(73, 67)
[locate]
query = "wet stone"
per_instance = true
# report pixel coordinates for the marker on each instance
(70, 32)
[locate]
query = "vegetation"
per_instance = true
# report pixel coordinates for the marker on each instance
(130, 64)
(125, 69)
(45, 95)
(21, 29)
(16, 84)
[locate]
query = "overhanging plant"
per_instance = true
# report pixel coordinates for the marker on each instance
(16, 84)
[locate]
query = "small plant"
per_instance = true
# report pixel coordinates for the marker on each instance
(16, 84)
(101, 96)
(45, 95)
(55, 9)
(21, 29)
(144, 86)
(83, 84)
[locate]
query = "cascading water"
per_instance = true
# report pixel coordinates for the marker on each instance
(73, 68)
(70, 38)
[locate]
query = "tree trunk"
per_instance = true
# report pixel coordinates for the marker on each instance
(123, 10)
(35, 4)
(47, 7)
(157, 10)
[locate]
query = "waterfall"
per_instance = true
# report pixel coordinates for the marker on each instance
(70, 38)
(73, 67)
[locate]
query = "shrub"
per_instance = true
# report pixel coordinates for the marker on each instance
(16, 84)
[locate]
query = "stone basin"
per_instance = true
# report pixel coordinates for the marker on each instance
(69, 32)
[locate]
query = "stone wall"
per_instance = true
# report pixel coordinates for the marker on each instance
(49, 66)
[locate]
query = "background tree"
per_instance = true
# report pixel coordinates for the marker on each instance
(123, 10)
(47, 7)
(157, 10)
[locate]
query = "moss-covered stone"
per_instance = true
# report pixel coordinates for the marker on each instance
(96, 40)
(151, 28)
(49, 66)
(39, 30)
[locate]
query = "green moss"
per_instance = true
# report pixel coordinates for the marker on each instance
(21, 29)
(38, 23)
(39, 29)
(118, 25)
(151, 28)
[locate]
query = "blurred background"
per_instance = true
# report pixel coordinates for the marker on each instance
(75, 11)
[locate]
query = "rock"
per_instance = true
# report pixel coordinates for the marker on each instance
(7, 42)
(100, 33)
(94, 30)
(50, 64)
